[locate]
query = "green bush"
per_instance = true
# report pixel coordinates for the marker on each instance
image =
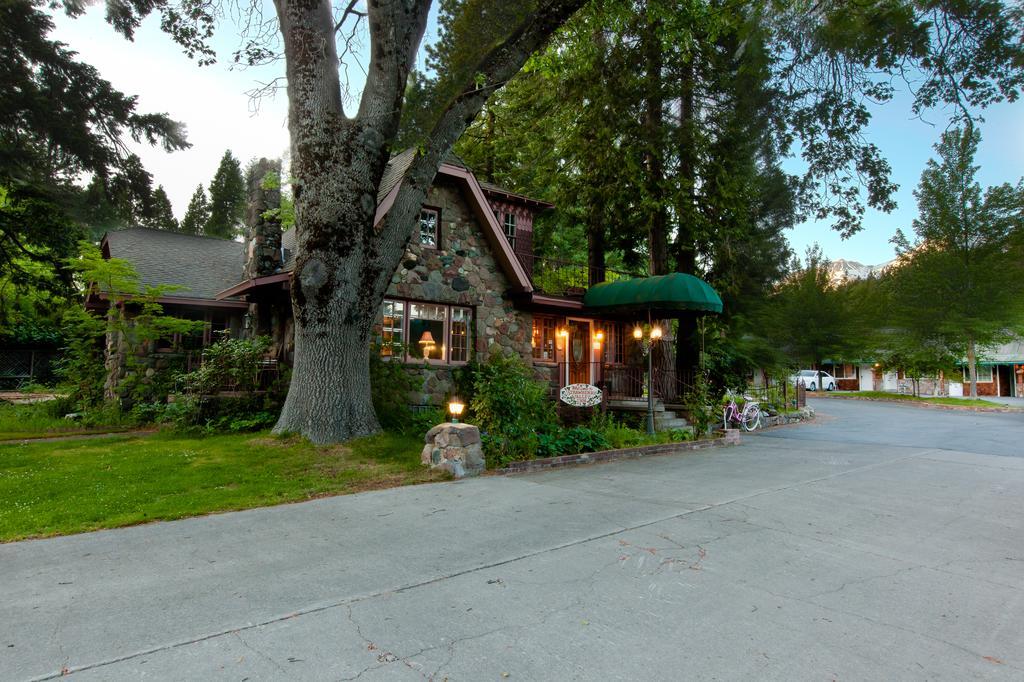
(570, 442)
(511, 409)
(231, 363)
(700, 405)
(390, 386)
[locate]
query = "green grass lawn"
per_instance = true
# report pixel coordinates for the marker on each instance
(38, 421)
(883, 395)
(73, 486)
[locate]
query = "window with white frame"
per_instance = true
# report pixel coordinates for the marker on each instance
(510, 228)
(431, 332)
(984, 374)
(393, 329)
(429, 224)
(458, 335)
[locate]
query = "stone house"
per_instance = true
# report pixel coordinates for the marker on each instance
(468, 286)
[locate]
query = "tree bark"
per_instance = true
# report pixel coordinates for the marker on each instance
(344, 261)
(653, 124)
(972, 366)
(687, 348)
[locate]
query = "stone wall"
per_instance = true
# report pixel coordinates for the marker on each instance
(460, 271)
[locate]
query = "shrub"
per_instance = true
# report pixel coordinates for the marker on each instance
(390, 386)
(511, 408)
(570, 442)
(699, 405)
(233, 363)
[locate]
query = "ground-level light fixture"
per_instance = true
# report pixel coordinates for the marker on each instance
(455, 408)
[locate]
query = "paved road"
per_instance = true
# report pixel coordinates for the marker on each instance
(871, 545)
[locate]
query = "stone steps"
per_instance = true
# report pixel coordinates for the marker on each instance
(667, 420)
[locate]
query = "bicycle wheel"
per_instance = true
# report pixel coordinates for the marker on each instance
(751, 417)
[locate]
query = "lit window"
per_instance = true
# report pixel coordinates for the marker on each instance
(543, 340)
(459, 335)
(510, 228)
(428, 227)
(393, 329)
(426, 331)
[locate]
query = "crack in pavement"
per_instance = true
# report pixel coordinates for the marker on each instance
(347, 602)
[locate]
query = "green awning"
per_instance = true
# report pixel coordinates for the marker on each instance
(664, 294)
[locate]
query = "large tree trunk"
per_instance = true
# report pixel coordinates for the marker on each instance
(335, 289)
(687, 347)
(344, 261)
(653, 127)
(972, 367)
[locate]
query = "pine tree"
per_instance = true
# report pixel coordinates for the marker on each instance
(197, 215)
(161, 214)
(227, 198)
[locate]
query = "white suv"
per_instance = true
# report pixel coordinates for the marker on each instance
(808, 378)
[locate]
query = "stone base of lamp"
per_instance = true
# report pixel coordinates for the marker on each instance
(455, 448)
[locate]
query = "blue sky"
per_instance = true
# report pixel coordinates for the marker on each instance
(212, 102)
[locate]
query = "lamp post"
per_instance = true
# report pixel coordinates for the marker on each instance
(647, 340)
(455, 407)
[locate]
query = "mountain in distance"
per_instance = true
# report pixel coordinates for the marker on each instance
(842, 270)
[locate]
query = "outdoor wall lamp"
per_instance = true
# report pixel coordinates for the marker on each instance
(563, 336)
(647, 340)
(598, 339)
(455, 408)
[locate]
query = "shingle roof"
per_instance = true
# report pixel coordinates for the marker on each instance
(204, 265)
(492, 188)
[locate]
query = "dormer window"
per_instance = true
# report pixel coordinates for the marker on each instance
(510, 228)
(429, 221)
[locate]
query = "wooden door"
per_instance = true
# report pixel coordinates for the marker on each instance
(579, 352)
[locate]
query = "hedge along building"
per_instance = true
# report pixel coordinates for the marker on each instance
(468, 286)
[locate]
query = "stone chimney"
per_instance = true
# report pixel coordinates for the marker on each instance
(262, 222)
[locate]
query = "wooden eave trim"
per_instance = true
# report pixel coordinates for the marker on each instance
(518, 198)
(253, 283)
(503, 252)
(180, 300)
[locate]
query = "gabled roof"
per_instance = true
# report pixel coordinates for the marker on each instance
(454, 168)
(497, 190)
(203, 265)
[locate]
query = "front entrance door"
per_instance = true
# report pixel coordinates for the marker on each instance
(579, 352)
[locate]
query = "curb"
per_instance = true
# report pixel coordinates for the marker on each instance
(544, 464)
(929, 406)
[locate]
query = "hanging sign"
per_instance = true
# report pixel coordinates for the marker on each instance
(581, 395)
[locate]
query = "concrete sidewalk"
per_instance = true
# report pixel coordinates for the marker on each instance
(782, 558)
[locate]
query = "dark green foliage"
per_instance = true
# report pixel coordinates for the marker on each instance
(81, 367)
(700, 405)
(960, 285)
(227, 199)
(511, 408)
(570, 442)
(229, 364)
(391, 387)
(197, 215)
(161, 213)
(813, 319)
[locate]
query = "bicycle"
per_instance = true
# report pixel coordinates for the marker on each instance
(749, 418)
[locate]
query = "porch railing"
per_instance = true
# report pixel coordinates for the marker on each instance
(564, 278)
(626, 382)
